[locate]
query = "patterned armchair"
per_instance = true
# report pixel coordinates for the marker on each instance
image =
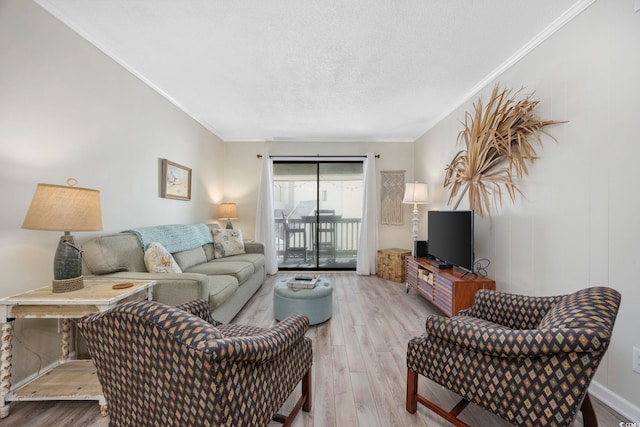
(527, 359)
(171, 366)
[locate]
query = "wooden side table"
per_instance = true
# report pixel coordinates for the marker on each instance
(68, 379)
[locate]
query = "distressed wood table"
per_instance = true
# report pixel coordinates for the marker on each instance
(67, 379)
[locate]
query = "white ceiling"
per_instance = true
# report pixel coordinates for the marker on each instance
(316, 70)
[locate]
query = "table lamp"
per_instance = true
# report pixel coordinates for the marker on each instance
(418, 194)
(65, 208)
(228, 211)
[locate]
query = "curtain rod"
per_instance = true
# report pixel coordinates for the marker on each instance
(377, 156)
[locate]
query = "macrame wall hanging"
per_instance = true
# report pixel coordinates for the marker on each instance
(391, 193)
(500, 140)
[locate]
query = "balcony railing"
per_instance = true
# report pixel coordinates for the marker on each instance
(343, 239)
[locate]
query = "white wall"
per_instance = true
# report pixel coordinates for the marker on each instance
(242, 176)
(577, 226)
(66, 110)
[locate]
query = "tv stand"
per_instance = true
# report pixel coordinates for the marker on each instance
(450, 290)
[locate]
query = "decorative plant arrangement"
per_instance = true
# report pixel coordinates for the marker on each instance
(500, 140)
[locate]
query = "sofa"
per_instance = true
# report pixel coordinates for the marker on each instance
(204, 271)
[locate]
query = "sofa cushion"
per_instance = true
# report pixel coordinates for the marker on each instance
(257, 260)
(158, 260)
(182, 288)
(241, 270)
(191, 257)
(221, 288)
(112, 253)
(227, 243)
(209, 251)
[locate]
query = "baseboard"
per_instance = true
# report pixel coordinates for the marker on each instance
(615, 402)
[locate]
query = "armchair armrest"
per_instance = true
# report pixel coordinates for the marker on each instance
(200, 308)
(262, 347)
(510, 310)
(496, 340)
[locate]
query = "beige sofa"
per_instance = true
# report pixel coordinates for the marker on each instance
(226, 283)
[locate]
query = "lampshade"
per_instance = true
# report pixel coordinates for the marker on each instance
(64, 208)
(228, 211)
(417, 193)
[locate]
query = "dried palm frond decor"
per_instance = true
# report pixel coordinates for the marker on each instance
(500, 141)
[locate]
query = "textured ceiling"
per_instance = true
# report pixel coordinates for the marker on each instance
(315, 70)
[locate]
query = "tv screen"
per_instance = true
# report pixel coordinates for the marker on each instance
(451, 237)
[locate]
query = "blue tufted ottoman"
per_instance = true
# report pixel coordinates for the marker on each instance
(316, 303)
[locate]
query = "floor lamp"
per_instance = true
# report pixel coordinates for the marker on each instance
(416, 193)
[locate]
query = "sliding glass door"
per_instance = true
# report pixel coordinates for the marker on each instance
(318, 211)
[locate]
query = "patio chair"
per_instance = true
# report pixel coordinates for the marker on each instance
(297, 234)
(326, 244)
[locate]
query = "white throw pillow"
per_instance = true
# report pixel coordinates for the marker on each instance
(158, 260)
(227, 242)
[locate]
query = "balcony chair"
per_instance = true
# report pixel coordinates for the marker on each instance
(529, 360)
(173, 366)
(296, 233)
(326, 245)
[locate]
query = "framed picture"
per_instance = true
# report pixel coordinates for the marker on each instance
(176, 181)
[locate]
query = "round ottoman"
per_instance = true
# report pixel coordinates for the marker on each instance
(315, 303)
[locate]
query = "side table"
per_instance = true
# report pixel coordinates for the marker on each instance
(67, 379)
(392, 264)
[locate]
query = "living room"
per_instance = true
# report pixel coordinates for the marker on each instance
(68, 110)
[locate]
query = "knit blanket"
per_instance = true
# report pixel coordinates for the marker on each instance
(174, 237)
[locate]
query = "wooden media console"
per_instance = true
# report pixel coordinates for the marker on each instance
(450, 290)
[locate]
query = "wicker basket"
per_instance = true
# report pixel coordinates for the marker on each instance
(391, 264)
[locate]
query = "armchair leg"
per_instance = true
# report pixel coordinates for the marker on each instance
(306, 391)
(588, 414)
(412, 391)
(303, 402)
(413, 398)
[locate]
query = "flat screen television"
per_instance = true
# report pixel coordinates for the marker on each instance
(451, 238)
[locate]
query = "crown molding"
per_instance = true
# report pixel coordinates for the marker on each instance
(543, 35)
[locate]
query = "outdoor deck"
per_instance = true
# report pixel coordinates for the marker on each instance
(337, 241)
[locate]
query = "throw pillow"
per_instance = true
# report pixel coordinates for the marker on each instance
(227, 242)
(158, 260)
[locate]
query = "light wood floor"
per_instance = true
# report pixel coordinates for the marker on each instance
(359, 371)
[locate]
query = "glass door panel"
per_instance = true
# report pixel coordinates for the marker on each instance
(318, 210)
(295, 192)
(339, 213)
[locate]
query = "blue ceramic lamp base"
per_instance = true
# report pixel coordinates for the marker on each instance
(67, 266)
